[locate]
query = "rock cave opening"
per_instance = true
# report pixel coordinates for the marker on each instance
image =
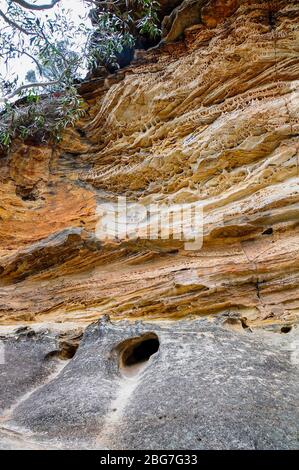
(67, 348)
(286, 329)
(136, 352)
(268, 231)
(26, 194)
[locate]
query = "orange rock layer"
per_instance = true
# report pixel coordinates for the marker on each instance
(209, 121)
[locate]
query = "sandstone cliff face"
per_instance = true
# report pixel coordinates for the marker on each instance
(210, 121)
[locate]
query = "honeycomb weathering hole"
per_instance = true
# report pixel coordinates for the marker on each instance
(136, 352)
(286, 329)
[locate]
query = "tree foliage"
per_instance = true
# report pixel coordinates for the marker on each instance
(60, 51)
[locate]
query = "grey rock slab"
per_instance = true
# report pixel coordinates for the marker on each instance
(24, 365)
(206, 387)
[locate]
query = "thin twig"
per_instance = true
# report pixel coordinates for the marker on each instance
(4, 99)
(15, 25)
(33, 6)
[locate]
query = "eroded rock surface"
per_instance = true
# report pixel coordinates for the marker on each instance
(163, 385)
(209, 121)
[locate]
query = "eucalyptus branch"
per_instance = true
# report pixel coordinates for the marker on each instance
(48, 40)
(33, 6)
(100, 3)
(57, 51)
(5, 99)
(15, 25)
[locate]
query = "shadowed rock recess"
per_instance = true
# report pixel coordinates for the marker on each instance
(205, 352)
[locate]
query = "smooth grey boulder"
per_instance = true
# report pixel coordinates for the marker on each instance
(24, 366)
(168, 385)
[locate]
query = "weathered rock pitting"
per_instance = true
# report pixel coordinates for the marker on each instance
(208, 119)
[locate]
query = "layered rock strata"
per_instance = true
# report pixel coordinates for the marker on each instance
(205, 123)
(209, 121)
